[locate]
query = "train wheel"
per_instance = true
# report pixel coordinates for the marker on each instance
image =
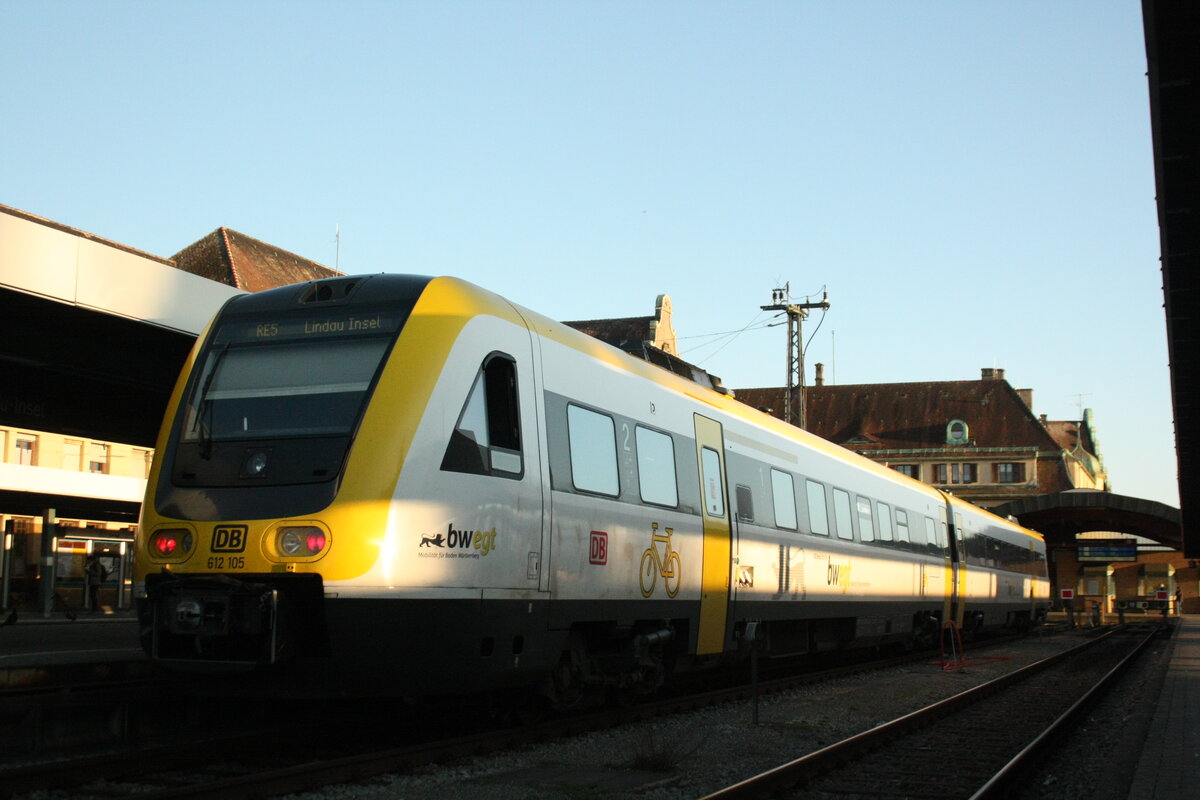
(648, 574)
(567, 690)
(672, 573)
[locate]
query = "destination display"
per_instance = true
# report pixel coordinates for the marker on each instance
(309, 327)
(1107, 550)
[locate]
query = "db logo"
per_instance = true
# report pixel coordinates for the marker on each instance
(598, 548)
(229, 539)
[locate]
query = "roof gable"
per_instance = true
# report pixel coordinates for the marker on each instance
(244, 262)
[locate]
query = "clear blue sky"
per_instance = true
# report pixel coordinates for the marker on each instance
(972, 182)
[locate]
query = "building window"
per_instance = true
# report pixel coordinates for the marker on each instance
(72, 455)
(97, 458)
(1010, 472)
(957, 432)
(147, 459)
(911, 470)
(955, 473)
(25, 448)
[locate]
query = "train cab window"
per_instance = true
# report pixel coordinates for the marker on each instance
(783, 493)
(487, 438)
(593, 443)
(656, 467)
(841, 515)
(866, 524)
(902, 526)
(745, 503)
(885, 522)
(818, 514)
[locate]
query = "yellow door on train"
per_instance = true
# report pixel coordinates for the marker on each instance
(714, 586)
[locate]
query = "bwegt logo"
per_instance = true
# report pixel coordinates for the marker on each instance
(483, 541)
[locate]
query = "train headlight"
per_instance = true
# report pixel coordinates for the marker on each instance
(301, 541)
(172, 543)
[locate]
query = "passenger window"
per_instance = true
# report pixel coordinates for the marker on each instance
(885, 522)
(593, 442)
(783, 493)
(745, 504)
(901, 525)
(656, 467)
(487, 438)
(930, 537)
(841, 514)
(710, 469)
(866, 526)
(818, 514)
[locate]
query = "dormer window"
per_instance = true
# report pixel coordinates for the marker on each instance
(957, 432)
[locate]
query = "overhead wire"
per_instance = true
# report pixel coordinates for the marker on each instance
(727, 337)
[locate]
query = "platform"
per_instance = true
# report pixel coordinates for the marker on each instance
(1169, 768)
(35, 650)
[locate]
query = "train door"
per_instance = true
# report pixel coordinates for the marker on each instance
(537, 424)
(714, 588)
(491, 520)
(958, 563)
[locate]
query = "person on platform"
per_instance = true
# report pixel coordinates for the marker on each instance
(94, 576)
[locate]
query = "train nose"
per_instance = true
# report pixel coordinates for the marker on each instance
(188, 614)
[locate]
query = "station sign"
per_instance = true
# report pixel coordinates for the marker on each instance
(1107, 550)
(1161, 594)
(1067, 594)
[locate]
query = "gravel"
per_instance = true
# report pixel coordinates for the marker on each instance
(691, 754)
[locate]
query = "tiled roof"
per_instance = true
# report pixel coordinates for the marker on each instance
(235, 259)
(622, 332)
(913, 416)
(1065, 432)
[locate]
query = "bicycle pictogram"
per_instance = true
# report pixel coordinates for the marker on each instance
(654, 564)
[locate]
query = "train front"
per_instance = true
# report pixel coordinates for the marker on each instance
(254, 503)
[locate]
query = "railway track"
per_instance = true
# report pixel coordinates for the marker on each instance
(270, 761)
(974, 745)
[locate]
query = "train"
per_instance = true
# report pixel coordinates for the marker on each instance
(409, 486)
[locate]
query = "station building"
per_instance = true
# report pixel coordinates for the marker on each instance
(979, 439)
(92, 337)
(982, 441)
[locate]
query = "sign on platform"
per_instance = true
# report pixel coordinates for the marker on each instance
(1068, 594)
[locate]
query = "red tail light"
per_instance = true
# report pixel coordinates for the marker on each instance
(171, 542)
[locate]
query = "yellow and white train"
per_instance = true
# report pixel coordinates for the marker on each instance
(405, 485)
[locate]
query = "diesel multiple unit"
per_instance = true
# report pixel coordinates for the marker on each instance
(407, 485)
